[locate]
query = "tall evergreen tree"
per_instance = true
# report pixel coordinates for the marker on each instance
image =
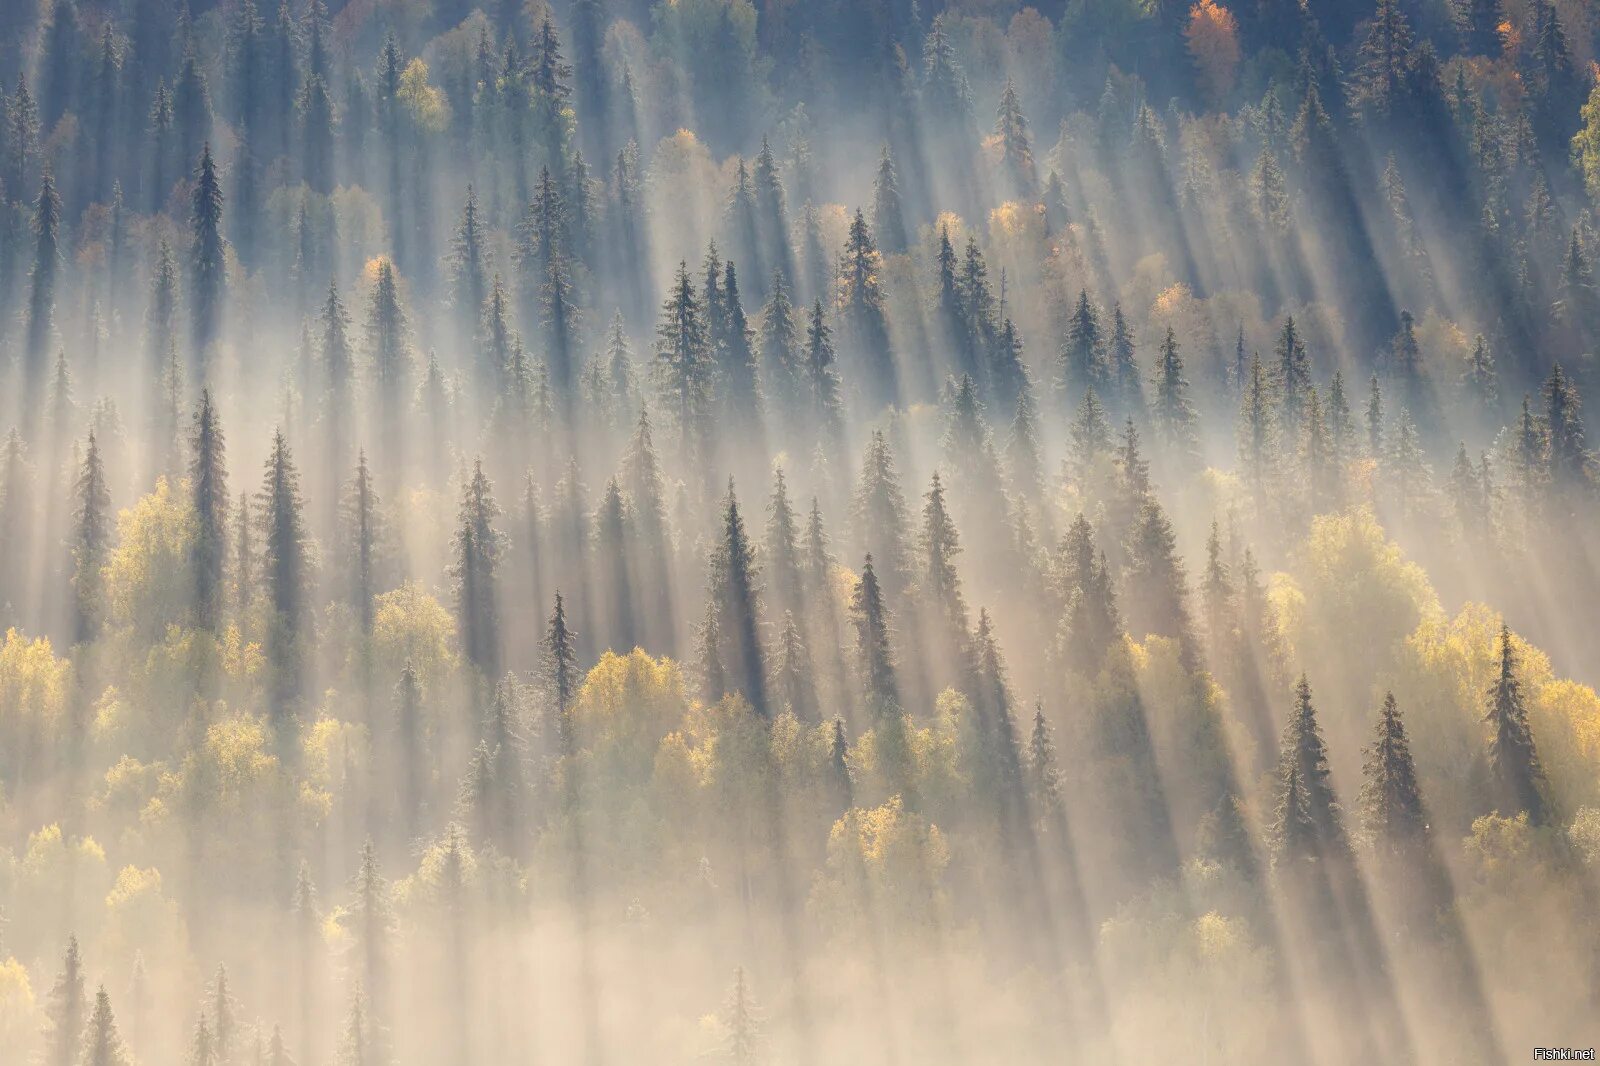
(475, 565)
(1512, 754)
(208, 487)
(207, 265)
(735, 594)
(285, 563)
(91, 544)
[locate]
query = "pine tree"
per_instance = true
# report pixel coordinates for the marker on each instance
(888, 213)
(878, 509)
(1570, 463)
(871, 619)
(792, 681)
(1293, 377)
(41, 298)
(207, 264)
(782, 548)
(1092, 622)
(937, 578)
(684, 364)
(1082, 361)
(1172, 412)
(820, 380)
(91, 544)
(1309, 823)
(389, 359)
(372, 921)
(362, 537)
(1091, 437)
(743, 1024)
(468, 266)
(223, 1016)
(67, 1009)
(1482, 379)
(561, 672)
(285, 564)
(735, 591)
(476, 552)
(1391, 798)
(102, 1044)
(339, 371)
(202, 1049)
(1123, 369)
(1016, 146)
(740, 384)
(778, 340)
(1512, 754)
(1157, 596)
(208, 488)
(864, 328)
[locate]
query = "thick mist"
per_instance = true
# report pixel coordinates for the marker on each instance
(599, 531)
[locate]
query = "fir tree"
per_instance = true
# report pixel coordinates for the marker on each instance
(879, 511)
(1082, 361)
(1512, 754)
(285, 564)
(476, 552)
(1309, 823)
(871, 619)
(1391, 799)
(91, 544)
(363, 533)
(209, 497)
(1172, 412)
(820, 380)
(735, 592)
(684, 364)
(67, 1009)
(561, 672)
(864, 319)
(41, 298)
(888, 214)
(1093, 622)
(207, 266)
(102, 1044)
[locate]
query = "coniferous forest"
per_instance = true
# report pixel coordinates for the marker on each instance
(798, 531)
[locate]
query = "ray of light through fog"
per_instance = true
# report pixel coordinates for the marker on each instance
(851, 531)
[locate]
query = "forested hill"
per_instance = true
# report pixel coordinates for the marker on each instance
(798, 531)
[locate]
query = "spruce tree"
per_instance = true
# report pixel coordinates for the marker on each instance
(735, 591)
(363, 533)
(1092, 622)
(207, 265)
(876, 659)
(561, 673)
(1391, 798)
(1513, 757)
(824, 411)
(66, 1010)
(102, 1044)
(285, 563)
(864, 329)
(1082, 360)
(208, 487)
(878, 509)
(888, 214)
(1309, 822)
(41, 299)
(91, 544)
(684, 365)
(1172, 412)
(475, 561)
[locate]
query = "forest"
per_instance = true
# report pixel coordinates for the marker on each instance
(940, 532)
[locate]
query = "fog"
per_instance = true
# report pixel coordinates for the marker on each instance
(605, 531)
